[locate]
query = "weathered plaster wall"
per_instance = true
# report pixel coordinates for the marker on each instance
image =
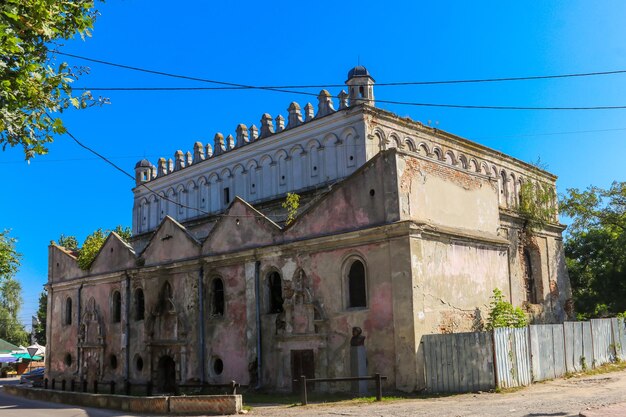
(439, 194)
(453, 281)
(226, 334)
(63, 340)
(369, 197)
(329, 271)
(170, 243)
(62, 265)
(243, 227)
(114, 255)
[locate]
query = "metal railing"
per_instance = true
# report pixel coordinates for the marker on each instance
(304, 381)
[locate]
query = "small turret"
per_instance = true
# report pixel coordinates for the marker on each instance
(143, 171)
(360, 86)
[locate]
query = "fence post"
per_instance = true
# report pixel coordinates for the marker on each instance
(63, 385)
(53, 383)
(149, 389)
(72, 385)
(127, 387)
(112, 387)
(84, 385)
(95, 387)
(45, 383)
(379, 387)
(303, 396)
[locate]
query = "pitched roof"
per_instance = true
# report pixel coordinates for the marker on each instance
(6, 347)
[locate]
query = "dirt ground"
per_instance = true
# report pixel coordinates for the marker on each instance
(561, 397)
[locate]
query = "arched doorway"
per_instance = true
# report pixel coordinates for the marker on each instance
(166, 375)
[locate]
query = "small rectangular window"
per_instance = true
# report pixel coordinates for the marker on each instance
(226, 195)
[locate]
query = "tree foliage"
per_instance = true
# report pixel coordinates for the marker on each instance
(10, 292)
(32, 85)
(92, 244)
(68, 242)
(42, 314)
(595, 249)
(503, 314)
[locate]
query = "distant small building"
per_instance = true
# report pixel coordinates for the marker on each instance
(402, 230)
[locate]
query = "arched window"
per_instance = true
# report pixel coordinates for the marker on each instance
(140, 304)
(357, 293)
(166, 299)
(116, 307)
(529, 278)
(275, 287)
(217, 297)
(68, 311)
(503, 183)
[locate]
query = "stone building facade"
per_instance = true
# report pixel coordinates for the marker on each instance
(403, 230)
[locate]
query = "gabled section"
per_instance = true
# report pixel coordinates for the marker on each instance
(367, 197)
(241, 227)
(114, 255)
(170, 242)
(62, 264)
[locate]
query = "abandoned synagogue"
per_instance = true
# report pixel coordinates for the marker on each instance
(401, 230)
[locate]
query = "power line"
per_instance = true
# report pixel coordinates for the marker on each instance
(286, 89)
(108, 161)
(389, 84)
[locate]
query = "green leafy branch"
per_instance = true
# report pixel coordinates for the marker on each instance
(291, 203)
(537, 205)
(503, 314)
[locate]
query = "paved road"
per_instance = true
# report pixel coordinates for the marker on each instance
(600, 394)
(603, 395)
(11, 406)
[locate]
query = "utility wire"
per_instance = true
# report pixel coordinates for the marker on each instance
(164, 197)
(400, 83)
(283, 89)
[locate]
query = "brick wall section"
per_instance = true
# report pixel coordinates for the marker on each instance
(192, 405)
(456, 176)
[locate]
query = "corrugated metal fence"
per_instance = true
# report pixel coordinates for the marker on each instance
(506, 358)
(460, 362)
(512, 357)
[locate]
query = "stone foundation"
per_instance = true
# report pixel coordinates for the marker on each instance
(187, 405)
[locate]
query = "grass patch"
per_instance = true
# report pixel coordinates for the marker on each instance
(602, 369)
(509, 390)
(314, 398)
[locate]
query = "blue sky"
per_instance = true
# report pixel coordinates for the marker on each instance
(285, 43)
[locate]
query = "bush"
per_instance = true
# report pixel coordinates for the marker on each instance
(503, 314)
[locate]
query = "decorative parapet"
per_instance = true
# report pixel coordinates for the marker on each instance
(230, 143)
(295, 115)
(343, 100)
(267, 126)
(179, 162)
(242, 135)
(280, 123)
(254, 133)
(248, 134)
(198, 152)
(325, 104)
(218, 144)
(161, 168)
(309, 112)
